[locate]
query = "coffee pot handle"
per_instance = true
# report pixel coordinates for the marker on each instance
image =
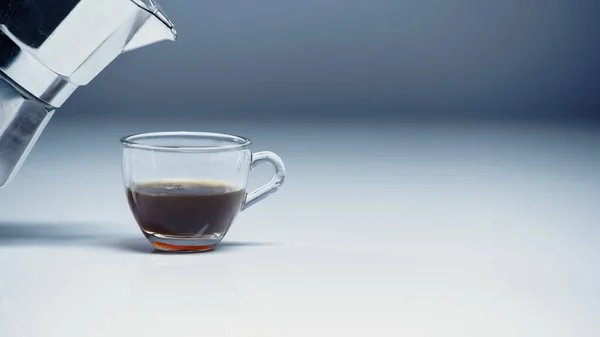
(266, 157)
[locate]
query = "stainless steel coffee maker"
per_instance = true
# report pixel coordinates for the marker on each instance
(50, 48)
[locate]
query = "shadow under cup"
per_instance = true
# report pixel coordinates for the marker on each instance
(186, 188)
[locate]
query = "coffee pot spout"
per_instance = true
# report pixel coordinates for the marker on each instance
(154, 28)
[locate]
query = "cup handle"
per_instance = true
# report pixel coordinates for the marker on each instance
(266, 157)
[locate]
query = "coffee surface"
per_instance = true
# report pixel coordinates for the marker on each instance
(189, 208)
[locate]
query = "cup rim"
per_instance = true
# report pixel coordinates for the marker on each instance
(234, 142)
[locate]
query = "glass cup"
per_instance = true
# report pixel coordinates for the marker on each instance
(186, 188)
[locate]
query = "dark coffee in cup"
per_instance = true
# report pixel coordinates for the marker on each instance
(186, 188)
(192, 209)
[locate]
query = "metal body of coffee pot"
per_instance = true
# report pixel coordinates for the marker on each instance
(50, 48)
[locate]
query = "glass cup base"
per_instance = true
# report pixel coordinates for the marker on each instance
(183, 244)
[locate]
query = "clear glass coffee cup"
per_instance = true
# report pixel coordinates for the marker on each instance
(185, 189)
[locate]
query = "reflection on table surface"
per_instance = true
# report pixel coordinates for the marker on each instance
(388, 230)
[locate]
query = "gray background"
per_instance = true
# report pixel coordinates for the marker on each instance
(381, 59)
(392, 100)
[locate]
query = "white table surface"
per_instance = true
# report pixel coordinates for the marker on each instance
(378, 231)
